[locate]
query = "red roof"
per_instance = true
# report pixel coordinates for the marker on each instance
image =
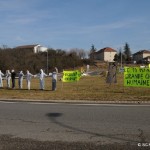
(106, 49)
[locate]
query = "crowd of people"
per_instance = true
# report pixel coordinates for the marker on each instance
(11, 76)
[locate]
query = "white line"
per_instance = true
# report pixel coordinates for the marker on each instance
(116, 105)
(38, 103)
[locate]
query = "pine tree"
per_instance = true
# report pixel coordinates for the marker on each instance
(92, 51)
(127, 52)
(116, 57)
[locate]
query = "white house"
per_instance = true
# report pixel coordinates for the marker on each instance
(35, 48)
(141, 55)
(105, 54)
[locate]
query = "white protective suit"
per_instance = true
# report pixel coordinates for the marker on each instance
(54, 80)
(8, 77)
(41, 76)
(20, 79)
(28, 78)
(1, 79)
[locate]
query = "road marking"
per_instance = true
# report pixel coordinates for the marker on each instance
(116, 105)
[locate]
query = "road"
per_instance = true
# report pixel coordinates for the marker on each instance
(103, 124)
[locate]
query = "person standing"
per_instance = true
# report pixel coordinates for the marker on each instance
(28, 79)
(54, 80)
(13, 76)
(20, 79)
(41, 76)
(8, 77)
(1, 79)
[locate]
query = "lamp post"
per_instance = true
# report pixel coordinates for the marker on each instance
(121, 59)
(47, 61)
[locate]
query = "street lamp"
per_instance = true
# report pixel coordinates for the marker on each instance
(47, 61)
(121, 58)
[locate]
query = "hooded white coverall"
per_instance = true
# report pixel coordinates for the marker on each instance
(41, 76)
(54, 80)
(28, 78)
(1, 79)
(8, 77)
(20, 79)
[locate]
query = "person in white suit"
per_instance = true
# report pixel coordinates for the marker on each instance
(1, 79)
(20, 79)
(8, 77)
(54, 80)
(41, 76)
(28, 79)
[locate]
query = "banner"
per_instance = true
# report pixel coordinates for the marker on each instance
(135, 76)
(71, 76)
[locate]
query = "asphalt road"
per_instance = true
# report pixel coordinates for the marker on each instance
(101, 124)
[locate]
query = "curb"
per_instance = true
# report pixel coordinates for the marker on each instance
(75, 101)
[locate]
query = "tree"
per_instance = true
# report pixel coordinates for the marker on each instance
(81, 53)
(92, 51)
(127, 52)
(121, 56)
(116, 57)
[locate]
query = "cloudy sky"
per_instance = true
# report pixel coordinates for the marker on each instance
(68, 24)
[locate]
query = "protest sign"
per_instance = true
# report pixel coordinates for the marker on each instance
(136, 76)
(71, 76)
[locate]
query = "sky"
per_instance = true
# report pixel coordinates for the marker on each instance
(69, 24)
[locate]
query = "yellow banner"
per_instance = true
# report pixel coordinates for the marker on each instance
(135, 76)
(71, 76)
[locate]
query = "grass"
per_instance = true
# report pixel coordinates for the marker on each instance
(88, 88)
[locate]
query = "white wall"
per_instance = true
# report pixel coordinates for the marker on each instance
(42, 49)
(109, 56)
(145, 55)
(35, 48)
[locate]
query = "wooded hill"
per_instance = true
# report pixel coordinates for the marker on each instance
(27, 60)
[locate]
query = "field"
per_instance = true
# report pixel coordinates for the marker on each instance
(92, 88)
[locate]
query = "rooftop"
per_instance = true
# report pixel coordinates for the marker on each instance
(26, 46)
(106, 49)
(141, 52)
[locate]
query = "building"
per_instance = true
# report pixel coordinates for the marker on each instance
(141, 56)
(35, 48)
(147, 59)
(105, 54)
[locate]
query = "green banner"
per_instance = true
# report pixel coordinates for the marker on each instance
(71, 76)
(135, 76)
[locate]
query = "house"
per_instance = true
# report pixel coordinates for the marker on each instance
(141, 56)
(35, 48)
(147, 59)
(105, 54)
